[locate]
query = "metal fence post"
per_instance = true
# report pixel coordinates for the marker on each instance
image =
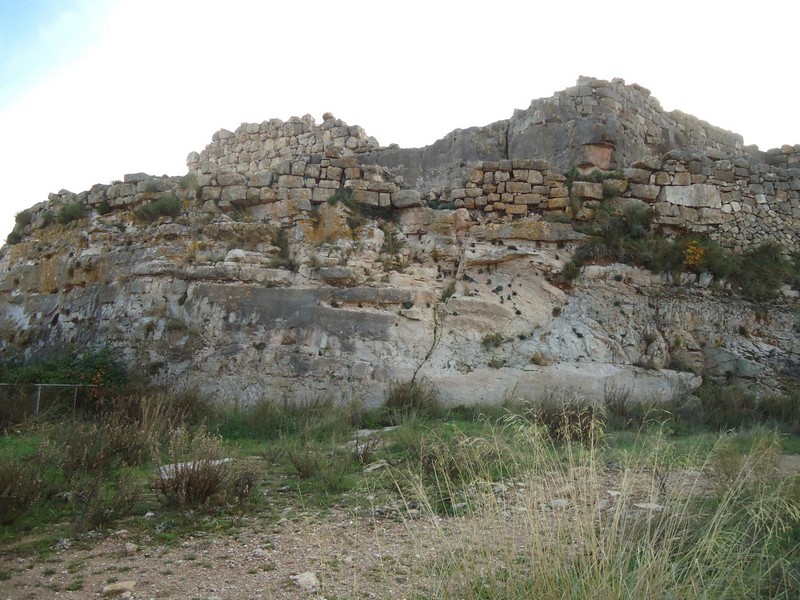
(38, 399)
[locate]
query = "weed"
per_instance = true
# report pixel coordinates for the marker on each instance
(23, 218)
(448, 291)
(198, 474)
(71, 212)
(492, 340)
(15, 237)
(167, 205)
(412, 399)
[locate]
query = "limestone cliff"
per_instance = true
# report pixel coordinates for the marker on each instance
(295, 256)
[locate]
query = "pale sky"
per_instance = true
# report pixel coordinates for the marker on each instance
(93, 89)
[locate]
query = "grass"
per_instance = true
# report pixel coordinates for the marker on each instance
(515, 499)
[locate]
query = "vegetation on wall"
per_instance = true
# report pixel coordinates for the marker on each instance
(628, 238)
(99, 367)
(359, 213)
(165, 206)
(71, 212)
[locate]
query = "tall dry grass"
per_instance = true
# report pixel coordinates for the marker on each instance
(537, 517)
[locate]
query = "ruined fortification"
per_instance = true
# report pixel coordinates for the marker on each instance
(259, 278)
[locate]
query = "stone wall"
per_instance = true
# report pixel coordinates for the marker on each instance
(256, 147)
(573, 126)
(697, 177)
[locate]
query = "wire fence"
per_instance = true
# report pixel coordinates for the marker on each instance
(23, 400)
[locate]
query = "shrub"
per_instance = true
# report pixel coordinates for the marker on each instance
(23, 484)
(71, 212)
(197, 474)
(492, 340)
(100, 367)
(15, 237)
(23, 218)
(167, 205)
(414, 398)
(103, 208)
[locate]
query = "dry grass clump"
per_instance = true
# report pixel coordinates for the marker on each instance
(556, 521)
(196, 473)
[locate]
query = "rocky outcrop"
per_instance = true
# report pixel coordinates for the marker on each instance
(294, 257)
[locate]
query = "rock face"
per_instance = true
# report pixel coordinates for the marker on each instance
(296, 257)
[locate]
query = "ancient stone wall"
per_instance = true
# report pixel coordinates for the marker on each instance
(697, 177)
(256, 147)
(579, 125)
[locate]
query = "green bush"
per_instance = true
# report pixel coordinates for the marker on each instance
(166, 206)
(71, 212)
(103, 208)
(15, 237)
(100, 367)
(23, 218)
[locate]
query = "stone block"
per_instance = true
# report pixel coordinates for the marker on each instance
(210, 193)
(320, 195)
(234, 193)
(475, 176)
(557, 203)
(682, 179)
(334, 173)
(502, 176)
(518, 187)
(299, 167)
(644, 192)
(352, 173)
(559, 192)
(637, 175)
(535, 177)
(268, 195)
(290, 181)
(473, 192)
(406, 199)
(662, 178)
(694, 196)
(381, 186)
(587, 190)
(300, 194)
(313, 171)
(516, 209)
(261, 179)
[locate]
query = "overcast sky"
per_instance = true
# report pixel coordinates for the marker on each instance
(93, 89)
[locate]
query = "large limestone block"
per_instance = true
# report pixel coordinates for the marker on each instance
(699, 195)
(406, 199)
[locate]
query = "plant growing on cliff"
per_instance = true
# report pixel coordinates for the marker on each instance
(359, 213)
(756, 274)
(15, 237)
(23, 218)
(71, 212)
(167, 205)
